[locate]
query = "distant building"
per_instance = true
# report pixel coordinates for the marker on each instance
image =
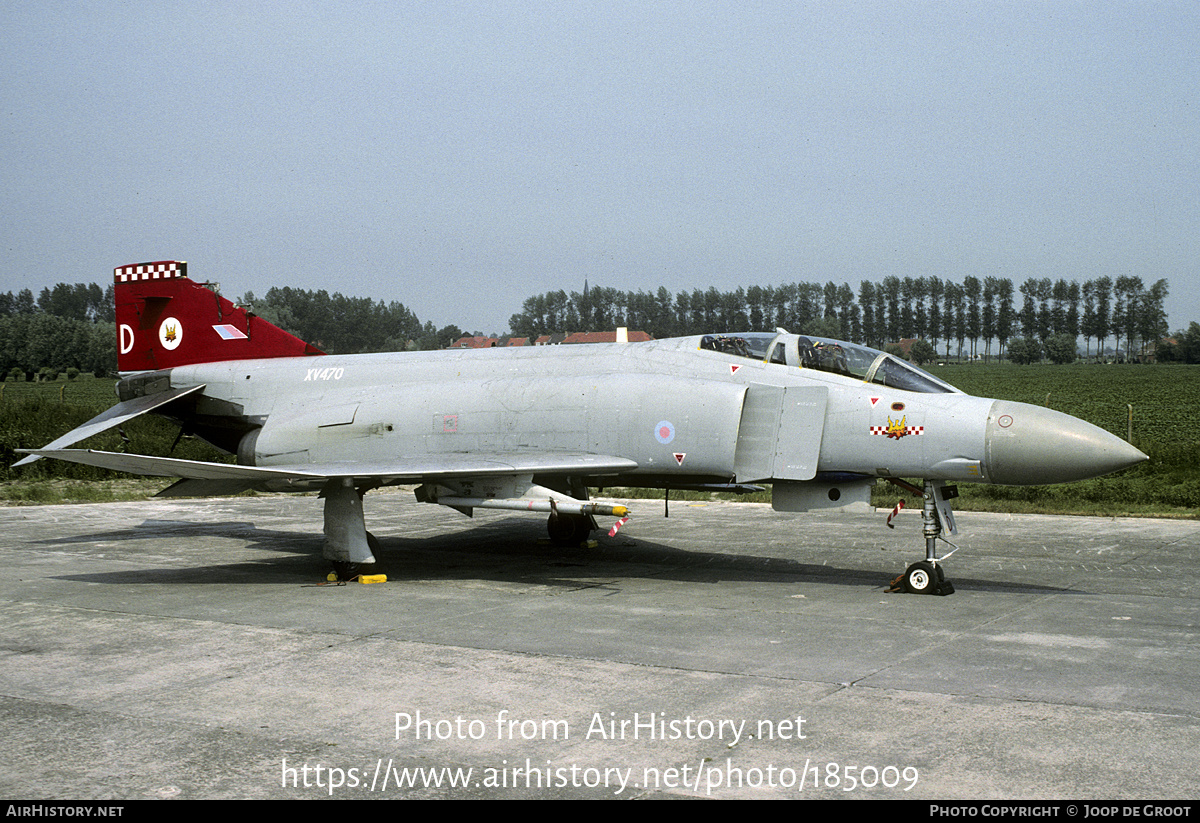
(488, 342)
(559, 338)
(473, 343)
(562, 338)
(605, 337)
(1150, 350)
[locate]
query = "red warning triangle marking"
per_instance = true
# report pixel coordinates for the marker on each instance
(679, 457)
(733, 369)
(874, 400)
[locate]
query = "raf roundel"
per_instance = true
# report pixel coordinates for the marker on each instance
(170, 333)
(664, 432)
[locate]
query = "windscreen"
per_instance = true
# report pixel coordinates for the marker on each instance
(870, 365)
(832, 356)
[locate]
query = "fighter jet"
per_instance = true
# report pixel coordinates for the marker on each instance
(531, 429)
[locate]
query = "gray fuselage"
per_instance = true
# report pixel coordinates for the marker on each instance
(681, 412)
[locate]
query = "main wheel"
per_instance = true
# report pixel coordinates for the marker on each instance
(346, 571)
(568, 529)
(921, 578)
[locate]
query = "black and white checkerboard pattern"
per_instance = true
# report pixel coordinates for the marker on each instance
(161, 270)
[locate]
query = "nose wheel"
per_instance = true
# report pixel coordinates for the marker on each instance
(926, 578)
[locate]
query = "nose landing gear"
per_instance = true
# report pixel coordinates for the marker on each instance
(927, 576)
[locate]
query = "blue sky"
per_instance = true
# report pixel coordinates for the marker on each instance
(459, 157)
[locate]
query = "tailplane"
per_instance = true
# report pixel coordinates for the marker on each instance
(165, 319)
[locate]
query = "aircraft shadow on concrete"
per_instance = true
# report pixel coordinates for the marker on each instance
(502, 550)
(161, 528)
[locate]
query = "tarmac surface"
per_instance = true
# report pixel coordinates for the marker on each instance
(184, 649)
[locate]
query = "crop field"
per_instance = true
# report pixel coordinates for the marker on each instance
(33, 414)
(92, 392)
(1163, 401)
(1162, 397)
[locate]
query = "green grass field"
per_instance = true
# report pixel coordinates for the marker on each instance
(1161, 401)
(93, 392)
(33, 414)
(1161, 396)
(1164, 399)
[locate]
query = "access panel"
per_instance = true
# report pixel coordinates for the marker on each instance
(779, 437)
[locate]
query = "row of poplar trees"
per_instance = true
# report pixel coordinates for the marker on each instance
(72, 325)
(975, 317)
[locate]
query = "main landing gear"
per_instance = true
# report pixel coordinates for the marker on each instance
(926, 576)
(349, 547)
(569, 529)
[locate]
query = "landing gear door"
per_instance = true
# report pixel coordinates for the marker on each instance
(779, 437)
(942, 495)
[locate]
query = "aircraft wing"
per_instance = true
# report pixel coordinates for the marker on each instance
(428, 467)
(170, 466)
(118, 414)
(417, 468)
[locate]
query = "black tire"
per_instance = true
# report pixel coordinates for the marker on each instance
(921, 578)
(568, 530)
(346, 571)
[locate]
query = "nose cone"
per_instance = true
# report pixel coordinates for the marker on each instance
(1031, 446)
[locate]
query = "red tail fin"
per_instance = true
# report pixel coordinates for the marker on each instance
(165, 320)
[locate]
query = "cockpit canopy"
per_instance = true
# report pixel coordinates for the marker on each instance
(833, 356)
